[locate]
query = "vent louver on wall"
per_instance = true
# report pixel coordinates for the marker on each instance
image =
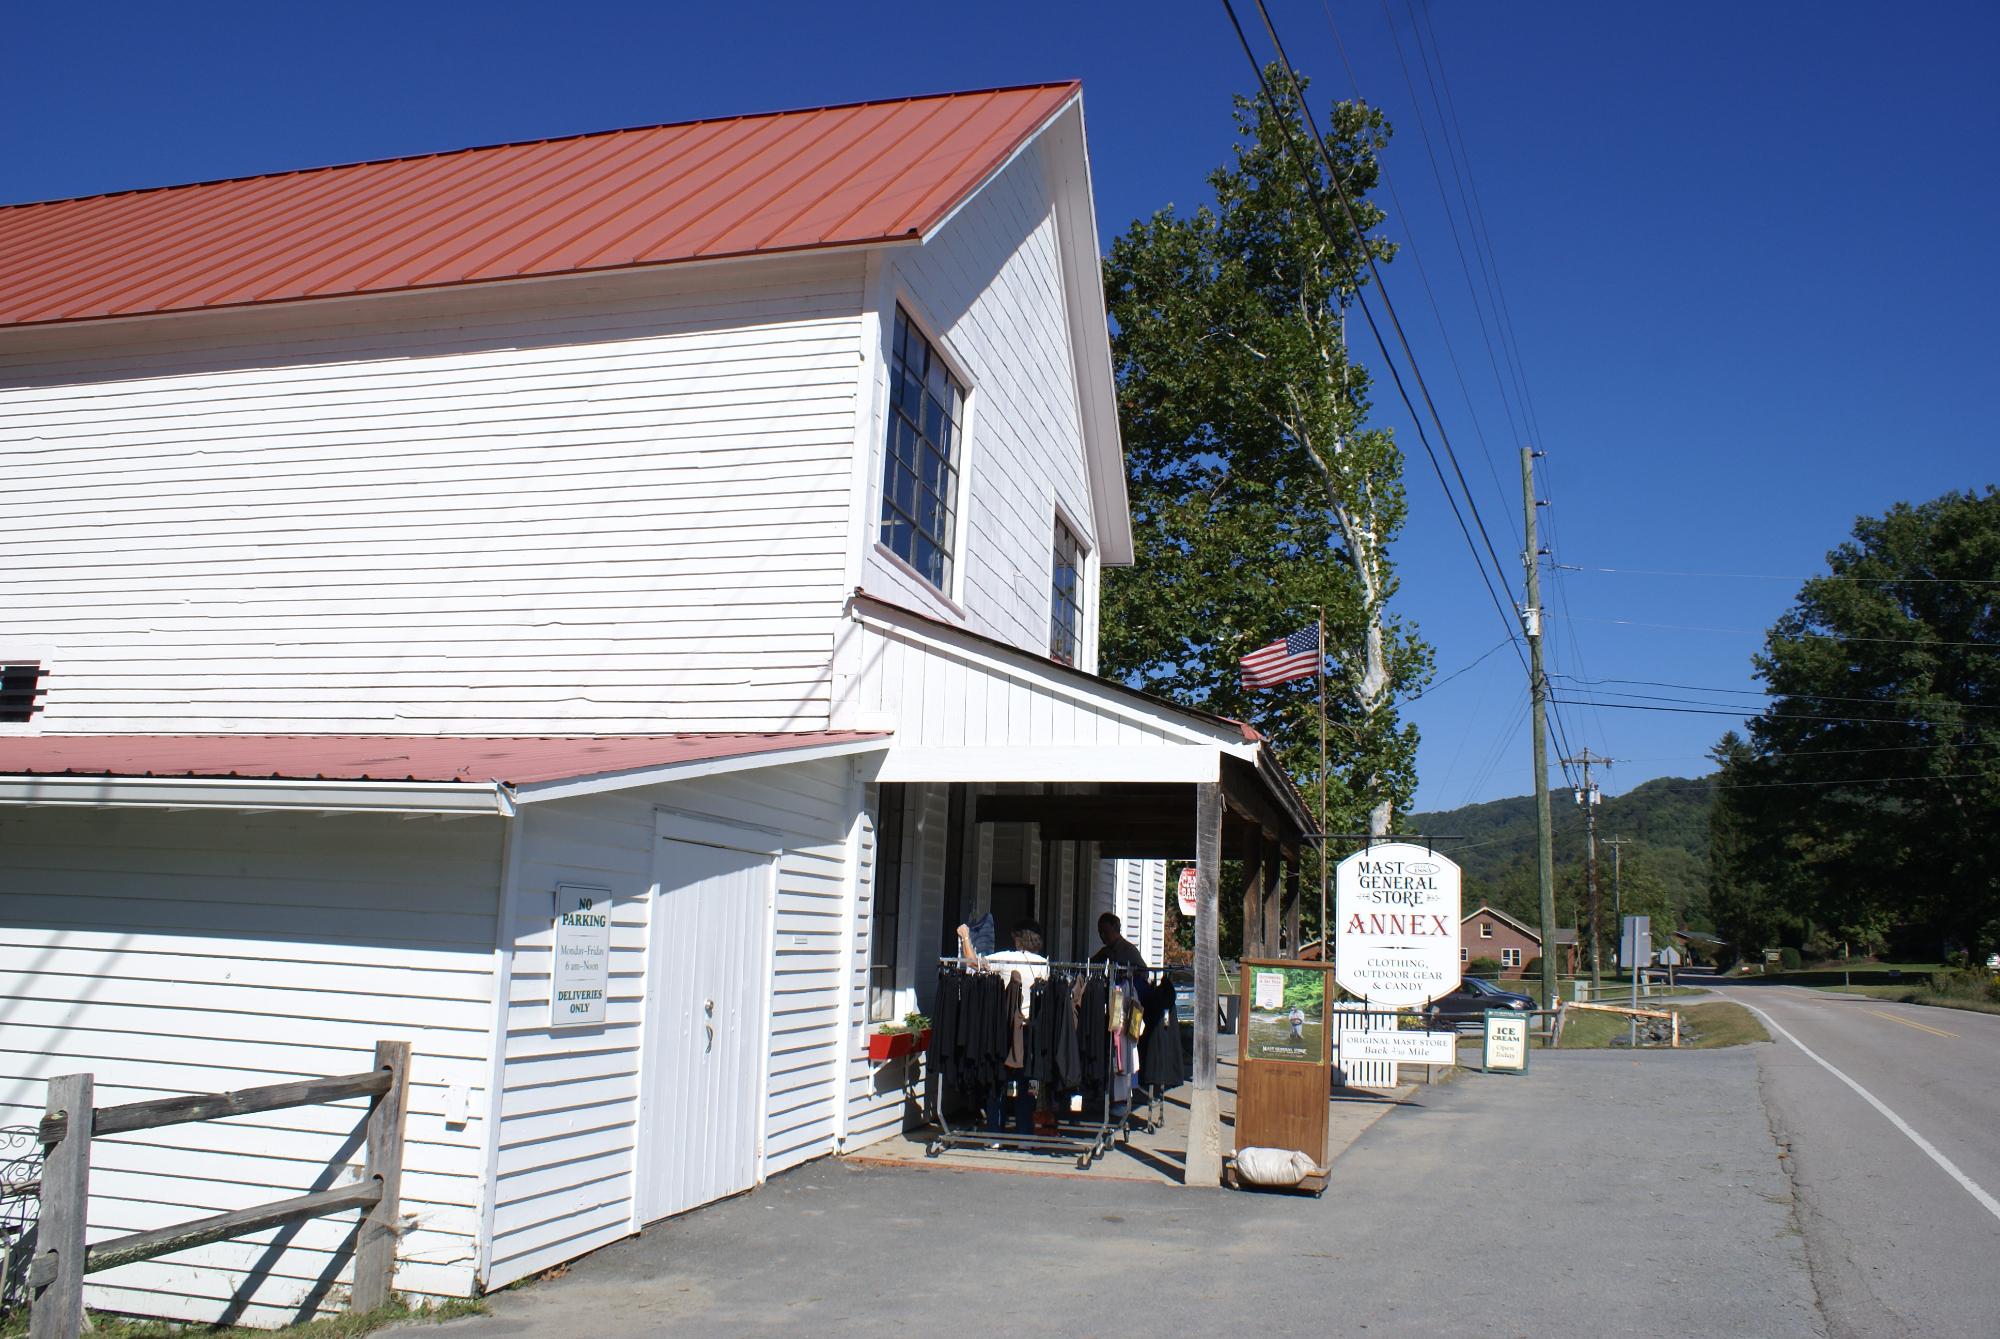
(20, 691)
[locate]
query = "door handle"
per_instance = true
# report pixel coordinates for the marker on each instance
(708, 1008)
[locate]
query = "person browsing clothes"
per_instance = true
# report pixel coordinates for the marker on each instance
(1021, 966)
(1117, 948)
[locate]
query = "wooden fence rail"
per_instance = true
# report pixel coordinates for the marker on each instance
(61, 1259)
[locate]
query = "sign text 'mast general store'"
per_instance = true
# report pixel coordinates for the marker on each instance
(1396, 925)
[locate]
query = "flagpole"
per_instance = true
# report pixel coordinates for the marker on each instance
(1325, 939)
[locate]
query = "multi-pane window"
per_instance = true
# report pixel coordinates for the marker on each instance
(919, 461)
(1510, 957)
(1485, 929)
(886, 931)
(1066, 597)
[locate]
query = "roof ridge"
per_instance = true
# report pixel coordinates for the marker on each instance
(546, 139)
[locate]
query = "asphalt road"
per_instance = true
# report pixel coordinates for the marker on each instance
(1602, 1194)
(1898, 1243)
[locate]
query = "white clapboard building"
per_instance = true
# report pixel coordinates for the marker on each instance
(698, 523)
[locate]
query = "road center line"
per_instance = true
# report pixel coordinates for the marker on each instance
(1921, 1027)
(1972, 1187)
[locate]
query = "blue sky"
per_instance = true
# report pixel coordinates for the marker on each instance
(1746, 250)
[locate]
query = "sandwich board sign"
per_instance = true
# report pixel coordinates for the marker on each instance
(1396, 913)
(1506, 1050)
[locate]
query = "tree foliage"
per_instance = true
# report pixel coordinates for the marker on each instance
(1867, 795)
(1257, 493)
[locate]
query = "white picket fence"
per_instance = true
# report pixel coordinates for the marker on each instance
(1349, 1015)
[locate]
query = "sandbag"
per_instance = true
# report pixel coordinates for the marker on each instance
(1274, 1166)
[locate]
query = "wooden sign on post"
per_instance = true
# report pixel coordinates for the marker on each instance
(1284, 1058)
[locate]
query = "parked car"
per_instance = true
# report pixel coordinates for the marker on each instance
(1465, 1008)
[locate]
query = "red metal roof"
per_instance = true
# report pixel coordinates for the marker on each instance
(745, 185)
(385, 757)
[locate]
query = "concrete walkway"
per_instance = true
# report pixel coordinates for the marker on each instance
(1602, 1194)
(1155, 1156)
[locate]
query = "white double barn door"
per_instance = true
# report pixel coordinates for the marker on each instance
(707, 1005)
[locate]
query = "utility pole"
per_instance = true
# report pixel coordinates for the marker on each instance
(1587, 796)
(1617, 845)
(1538, 691)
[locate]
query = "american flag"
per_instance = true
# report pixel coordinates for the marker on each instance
(1288, 658)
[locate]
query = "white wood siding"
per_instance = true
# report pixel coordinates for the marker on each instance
(568, 1133)
(169, 953)
(989, 284)
(587, 505)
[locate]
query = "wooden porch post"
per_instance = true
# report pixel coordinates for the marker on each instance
(1253, 897)
(1204, 1156)
(1268, 914)
(1292, 904)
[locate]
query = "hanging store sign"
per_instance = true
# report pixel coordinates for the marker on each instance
(1506, 1042)
(1396, 913)
(1185, 891)
(582, 974)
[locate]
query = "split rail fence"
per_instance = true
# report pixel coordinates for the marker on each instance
(61, 1258)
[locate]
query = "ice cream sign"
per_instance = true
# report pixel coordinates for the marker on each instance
(1396, 911)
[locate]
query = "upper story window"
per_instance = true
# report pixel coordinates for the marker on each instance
(920, 460)
(1066, 597)
(20, 691)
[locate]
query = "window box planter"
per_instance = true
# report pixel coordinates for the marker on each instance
(890, 1045)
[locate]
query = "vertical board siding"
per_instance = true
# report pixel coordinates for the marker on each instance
(569, 1138)
(990, 284)
(552, 507)
(203, 952)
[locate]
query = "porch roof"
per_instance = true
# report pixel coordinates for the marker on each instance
(407, 773)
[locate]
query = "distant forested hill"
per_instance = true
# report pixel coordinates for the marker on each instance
(1666, 858)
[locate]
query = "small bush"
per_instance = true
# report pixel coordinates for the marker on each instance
(1486, 967)
(1533, 971)
(1789, 959)
(1963, 983)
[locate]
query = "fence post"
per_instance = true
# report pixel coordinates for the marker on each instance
(55, 1274)
(375, 1244)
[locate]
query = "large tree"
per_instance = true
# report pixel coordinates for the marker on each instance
(1868, 792)
(1258, 493)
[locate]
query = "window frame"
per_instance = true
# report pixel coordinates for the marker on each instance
(1516, 956)
(902, 316)
(1486, 929)
(885, 927)
(1079, 594)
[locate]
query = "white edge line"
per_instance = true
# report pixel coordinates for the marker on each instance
(1971, 1186)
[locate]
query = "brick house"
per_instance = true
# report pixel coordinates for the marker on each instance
(1486, 933)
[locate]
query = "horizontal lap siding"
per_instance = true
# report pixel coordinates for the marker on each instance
(569, 1134)
(873, 1093)
(582, 506)
(201, 952)
(990, 281)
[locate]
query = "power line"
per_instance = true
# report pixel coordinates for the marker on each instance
(1819, 636)
(1309, 182)
(1742, 714)
(1765, 692)
(1506, 315)
(1841, 781)
(1769, 576)
(1455, 673)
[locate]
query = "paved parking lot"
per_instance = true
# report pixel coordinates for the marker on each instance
(1601, 1194)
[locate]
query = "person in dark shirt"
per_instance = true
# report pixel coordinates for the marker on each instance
(1117, 948)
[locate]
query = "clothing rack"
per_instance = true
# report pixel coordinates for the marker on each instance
(1088, 1141)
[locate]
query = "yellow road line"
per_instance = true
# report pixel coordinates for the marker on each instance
(1921, 1027)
